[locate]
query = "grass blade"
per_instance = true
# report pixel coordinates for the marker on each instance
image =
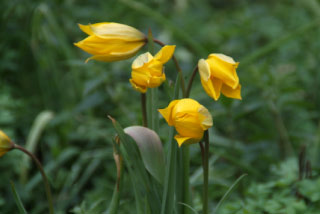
(169, 182)
(231, 188)
(188, 206)
(133, 161)
(21, 208)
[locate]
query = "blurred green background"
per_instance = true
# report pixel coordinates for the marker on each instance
(58, 104)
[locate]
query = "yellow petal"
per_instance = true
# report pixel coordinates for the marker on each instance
(97, 46)
(141, 60)
(165, 54)
(186, 118)
(212, 87)
(111, 30)
(86, 29)
(188, 124)
(186, 105)
(230, 92)
(141, 77)
(156, 81)
(225, 58)
(185, 140)
(117, 54)
(224, 68)
(205, 117)
(204, 70)
(141, 89)
(155, 68)
(167, 112)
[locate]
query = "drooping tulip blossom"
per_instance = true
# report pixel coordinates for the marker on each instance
(218, 75)
(147, 71)
(189, 118)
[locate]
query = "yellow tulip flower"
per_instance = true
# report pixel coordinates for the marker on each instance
(108, 41)
(5, 143)
(147, 71)
(218, 75)
(189, 118)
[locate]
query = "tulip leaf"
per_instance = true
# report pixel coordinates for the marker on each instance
(21, 208)
(150, 148)
(114, 203)
(170, 174)
(231, 188)
(141, 182)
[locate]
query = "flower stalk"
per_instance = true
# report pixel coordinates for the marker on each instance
(205, 163)
(44, 177)
(191, 81)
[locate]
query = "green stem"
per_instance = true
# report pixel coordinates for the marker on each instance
(144, 109)
(191, 81)
(186, 180)
(44, 177)
(176, 63)
(205, 155)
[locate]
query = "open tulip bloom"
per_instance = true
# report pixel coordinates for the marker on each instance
(108, 41)
(147, 71)
(189, 118)
(218, 75)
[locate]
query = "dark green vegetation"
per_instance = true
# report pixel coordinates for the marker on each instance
(277, 44)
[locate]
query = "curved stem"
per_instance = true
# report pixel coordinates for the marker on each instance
(176, 63)
(44, 177)
(191, 81)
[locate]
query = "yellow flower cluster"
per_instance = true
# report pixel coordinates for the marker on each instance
(109, 42)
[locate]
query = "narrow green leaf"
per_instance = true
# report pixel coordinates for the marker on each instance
(114, 204)
(138, 174)
(188, 206)
(150, 108)
(231, 188)
(170, 174)
(21, 208)
(155, 113)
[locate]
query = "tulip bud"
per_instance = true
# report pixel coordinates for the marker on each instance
(189, 118)
(147, 71)
(5, 143)
(218, 75)
(108, 41)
